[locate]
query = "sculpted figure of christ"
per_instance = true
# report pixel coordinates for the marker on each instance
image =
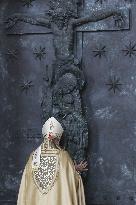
(62, 21)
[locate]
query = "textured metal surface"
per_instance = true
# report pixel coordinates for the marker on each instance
(75, 76)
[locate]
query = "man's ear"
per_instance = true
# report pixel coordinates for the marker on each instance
(55, 140)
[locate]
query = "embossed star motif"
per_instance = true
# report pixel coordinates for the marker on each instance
(114, 84)
(12, 53)
(100, 1)
(27, 3)
(130, 50)
(100, 51)
(39, 53)
(25, 86)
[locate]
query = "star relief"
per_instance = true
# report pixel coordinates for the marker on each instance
(39, 52)
(130, 50)
(114, 84)
(100, 51)
(27, 3)
(26, 85)
(12, 53)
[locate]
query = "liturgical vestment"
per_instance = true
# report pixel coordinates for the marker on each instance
(63, 183)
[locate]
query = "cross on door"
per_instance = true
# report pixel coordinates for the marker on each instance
(62, 21)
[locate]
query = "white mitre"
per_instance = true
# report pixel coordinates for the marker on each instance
(52, 129)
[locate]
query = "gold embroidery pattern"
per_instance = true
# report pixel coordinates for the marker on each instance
(45, 175)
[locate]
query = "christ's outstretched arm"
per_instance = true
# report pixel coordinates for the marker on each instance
(100, 15)
(37, 20)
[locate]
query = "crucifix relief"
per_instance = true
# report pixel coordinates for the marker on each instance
(67, 78)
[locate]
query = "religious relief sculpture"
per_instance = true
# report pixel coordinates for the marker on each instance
(67, 79)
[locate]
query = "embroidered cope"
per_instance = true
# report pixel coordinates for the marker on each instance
(49, 177)
(47, 172)
(54, 182)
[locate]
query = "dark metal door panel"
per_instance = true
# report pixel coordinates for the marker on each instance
(112, 118)
(23, 74)
(106, 54)
(111, 114)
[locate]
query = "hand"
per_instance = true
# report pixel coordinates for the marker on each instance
(119, 20)
(81, 167)
(11, 21)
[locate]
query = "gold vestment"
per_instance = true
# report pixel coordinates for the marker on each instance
(56, 184)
